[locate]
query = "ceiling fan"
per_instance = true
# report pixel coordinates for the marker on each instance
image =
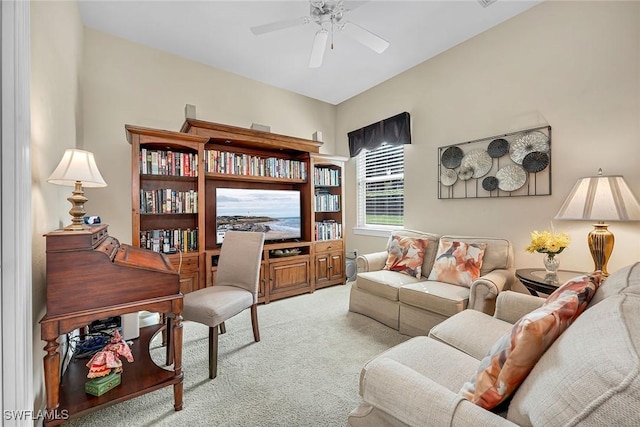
(327, 14)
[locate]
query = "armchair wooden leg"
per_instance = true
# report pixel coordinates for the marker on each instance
(223, 328)
(254, 322)
(213, 352)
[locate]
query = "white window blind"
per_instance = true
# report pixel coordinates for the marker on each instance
(380, 176)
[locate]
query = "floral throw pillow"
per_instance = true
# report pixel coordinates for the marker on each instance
(458, 263)
(515, 354)
(406, 255)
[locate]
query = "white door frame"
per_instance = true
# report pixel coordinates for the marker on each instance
(16, 322)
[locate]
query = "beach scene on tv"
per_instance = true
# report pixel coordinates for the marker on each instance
(274, 212)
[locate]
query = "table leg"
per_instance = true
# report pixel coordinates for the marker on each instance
(52, 375)
(177, 360)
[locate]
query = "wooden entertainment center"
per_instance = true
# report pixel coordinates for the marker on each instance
(168, 167)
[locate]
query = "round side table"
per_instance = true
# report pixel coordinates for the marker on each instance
(537, 279)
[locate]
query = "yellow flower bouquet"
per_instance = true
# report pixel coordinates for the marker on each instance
(549, 243)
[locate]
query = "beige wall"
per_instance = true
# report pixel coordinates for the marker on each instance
(572, 65)
(56, 117)
(127, 83)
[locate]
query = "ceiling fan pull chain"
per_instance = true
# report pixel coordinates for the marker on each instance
(331, 34)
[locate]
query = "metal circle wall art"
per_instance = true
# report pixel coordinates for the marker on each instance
(490, 183)
(452, 157)
(535, 162)
(465, 173)
(512, 164)
(448, 177)
(498, 148)
(511, 177)
(479, 161)
(528, 143)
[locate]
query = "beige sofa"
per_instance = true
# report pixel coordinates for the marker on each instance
(413, 306)
(590, 376)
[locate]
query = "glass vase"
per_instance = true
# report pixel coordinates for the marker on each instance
(551, 264)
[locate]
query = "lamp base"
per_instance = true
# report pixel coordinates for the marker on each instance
(77, 200)
(601, 245)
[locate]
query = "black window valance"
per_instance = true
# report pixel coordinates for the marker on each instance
(395, 130)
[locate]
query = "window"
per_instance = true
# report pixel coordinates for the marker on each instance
(380, 180)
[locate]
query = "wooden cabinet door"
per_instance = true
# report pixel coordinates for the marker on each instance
(329, 269)
(189, 282)
(189, 269)
(336, 266)
(323, 269)
(289, 277)
(263, 281)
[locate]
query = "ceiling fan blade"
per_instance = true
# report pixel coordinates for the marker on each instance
(318, 48)
(279, 25)
(366, 37)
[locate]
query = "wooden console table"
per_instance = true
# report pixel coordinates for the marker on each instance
(91, 276)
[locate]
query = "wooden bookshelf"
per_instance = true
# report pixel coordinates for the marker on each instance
(234, 157)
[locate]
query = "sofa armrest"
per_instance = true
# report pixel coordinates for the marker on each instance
(371, 262)
(416, 400)
(485, 289)
(511, 306)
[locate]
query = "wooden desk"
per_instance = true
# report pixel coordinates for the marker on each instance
(537, 280)
(91, 276)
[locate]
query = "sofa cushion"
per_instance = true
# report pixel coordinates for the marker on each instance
(457, 262)
(498, 255)
(470, 331)
(591, 375)
(430, 251)
(433, 359)
(384, 283)
(514, 355)
(406, 255)
(437, 297)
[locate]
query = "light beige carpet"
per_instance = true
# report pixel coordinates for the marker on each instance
(303, 372)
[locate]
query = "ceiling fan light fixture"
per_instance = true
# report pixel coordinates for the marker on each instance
(318, 48)
(486, 3)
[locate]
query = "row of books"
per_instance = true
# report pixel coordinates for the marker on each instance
(327, 202)
(328, 230)
(224, 162)
(325, 177)
(170, 241)
(168, 201)
(172, 163)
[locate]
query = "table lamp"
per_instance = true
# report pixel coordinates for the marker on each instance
(600, 198)
(77, 169)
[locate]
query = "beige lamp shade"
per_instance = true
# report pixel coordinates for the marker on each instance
(601, 199)
(77, 169)
(77, 165)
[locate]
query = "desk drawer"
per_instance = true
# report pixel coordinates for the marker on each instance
(329, 245)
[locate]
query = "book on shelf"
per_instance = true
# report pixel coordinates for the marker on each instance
(327, 202)
(168, 201)
(169, 163)
(328, 230)
(170, 240)
(225, 162)
(326, 177)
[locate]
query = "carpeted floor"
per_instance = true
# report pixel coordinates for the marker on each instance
(303, 372)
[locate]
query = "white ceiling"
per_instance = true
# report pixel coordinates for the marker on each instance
(217, 33)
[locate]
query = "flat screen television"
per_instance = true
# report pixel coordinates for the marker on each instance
(275, 212)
